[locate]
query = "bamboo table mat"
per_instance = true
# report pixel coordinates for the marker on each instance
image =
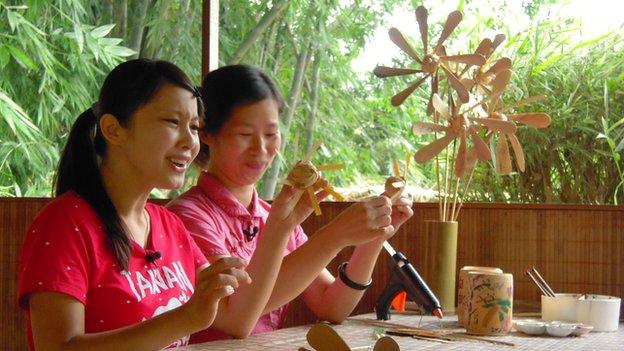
(358, 335)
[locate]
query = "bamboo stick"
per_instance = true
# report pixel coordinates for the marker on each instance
(461, 202)
(455, 198)
(539, 277)
(447, 205)
(538, 283)
(431, 339)
(446, 168)
(479, 338)
(438, 185)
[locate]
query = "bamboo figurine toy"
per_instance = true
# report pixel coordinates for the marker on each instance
(396, 184)
(307, 176)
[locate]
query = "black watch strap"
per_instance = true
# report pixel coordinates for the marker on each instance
(350, 283)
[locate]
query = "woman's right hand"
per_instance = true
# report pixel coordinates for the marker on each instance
(292, 206)
(362, 222)
(215, 282)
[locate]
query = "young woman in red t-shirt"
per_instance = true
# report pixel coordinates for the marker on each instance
(102, 269)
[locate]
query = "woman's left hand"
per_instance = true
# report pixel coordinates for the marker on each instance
(401, 210)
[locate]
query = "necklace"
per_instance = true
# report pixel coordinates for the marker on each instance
(145, 233)
(147, 223)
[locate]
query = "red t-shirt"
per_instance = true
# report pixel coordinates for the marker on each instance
(66, 251)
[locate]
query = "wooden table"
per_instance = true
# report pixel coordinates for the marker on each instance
(358, 334)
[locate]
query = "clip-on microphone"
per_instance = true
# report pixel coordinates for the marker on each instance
(152, 256)
(250, 233)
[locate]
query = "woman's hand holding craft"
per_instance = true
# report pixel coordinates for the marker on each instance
(363, 222)
(215, 282)
(402, 210)
(292, 206)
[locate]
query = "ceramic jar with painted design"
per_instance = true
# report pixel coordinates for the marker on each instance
(491, 299)
(463, 290)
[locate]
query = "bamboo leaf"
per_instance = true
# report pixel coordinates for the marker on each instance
(5, 56)
(20, 119)
(13, 20)
(102, 31)
(544, 65)
(21, 58)
(620, 146)
(616, 125)
(591, 41)
(78, 36)
(110, 41)
(119, 51)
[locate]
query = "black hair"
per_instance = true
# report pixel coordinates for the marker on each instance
(126, 88)
(230, 87)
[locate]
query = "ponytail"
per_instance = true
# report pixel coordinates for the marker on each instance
(79, 171)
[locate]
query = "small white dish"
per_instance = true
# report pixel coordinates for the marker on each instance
(530, 327)
(560, 329)
(582, 329)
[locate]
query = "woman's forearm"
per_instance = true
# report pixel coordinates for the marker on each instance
(153, 334)
(239, 313)
(302, 266)
(343, 299)
(54, 328)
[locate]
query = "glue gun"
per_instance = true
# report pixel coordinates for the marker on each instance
(406, 278)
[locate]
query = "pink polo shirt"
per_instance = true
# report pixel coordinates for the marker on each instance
(217, 221)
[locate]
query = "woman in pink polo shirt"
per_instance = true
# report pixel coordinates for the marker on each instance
(240, 137)
(101, 268)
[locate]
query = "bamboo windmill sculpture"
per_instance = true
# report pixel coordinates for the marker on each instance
(465, 125)
(461, 125)
(435, 58)
(307, 176)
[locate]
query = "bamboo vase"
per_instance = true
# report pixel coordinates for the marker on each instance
(443, 252)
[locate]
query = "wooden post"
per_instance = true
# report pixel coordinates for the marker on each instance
(210, 35)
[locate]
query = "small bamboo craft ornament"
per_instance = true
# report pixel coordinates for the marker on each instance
(396, 184)
(322, 337)
(306, 176)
